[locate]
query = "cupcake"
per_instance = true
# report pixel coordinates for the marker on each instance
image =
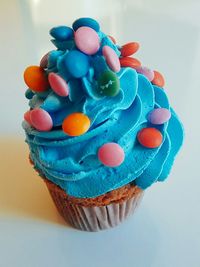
(100, 126)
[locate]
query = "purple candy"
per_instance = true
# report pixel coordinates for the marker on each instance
(44, 61)
(146, 72)
(159, 116)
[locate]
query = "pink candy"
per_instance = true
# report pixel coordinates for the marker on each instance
(41, 120)
(146, 72)
(111, 154)
(111, 58)
(44, 61)
(27, 117)
(87, 40)
(58, 84)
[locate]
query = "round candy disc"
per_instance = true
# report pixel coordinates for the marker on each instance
(88, 22)
(41, 120)
(159, 116)
(27, 117)
(158, 79)
(87, 40)
(129, 49)
(58, 84)
(76, 63)
(112, 39)
(35, 77)
(53, 58)
(29, 94)
(111, 58)
(111, 154)
(150, 137)
(44, 61)
(108, 84)
(61, 33)
(76, 124)
(129, 62)
(146, 72)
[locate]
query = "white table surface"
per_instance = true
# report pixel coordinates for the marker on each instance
(165, 230)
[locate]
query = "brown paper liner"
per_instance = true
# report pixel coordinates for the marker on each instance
(94, 214)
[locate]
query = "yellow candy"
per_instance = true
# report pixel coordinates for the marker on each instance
(76, 124)
(36, 79)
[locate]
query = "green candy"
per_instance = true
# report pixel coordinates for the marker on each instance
(108, 84)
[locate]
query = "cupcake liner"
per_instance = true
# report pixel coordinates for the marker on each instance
(93, 218)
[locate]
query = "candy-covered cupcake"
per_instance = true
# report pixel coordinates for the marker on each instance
(100, 127)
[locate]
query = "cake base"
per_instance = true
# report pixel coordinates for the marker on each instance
(94, 214)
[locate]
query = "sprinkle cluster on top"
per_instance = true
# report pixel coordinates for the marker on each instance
(82, 43)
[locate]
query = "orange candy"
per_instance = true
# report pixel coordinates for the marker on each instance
(112, 39)
(129, 49)
(36, 79)
(130, 62)
(158, 79)
(76, 124)
(150, 137)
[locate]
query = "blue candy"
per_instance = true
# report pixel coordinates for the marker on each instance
(61, 33)
(29, 94)
(88, 22)
(76, 63)
(53, 57)
(53, 102)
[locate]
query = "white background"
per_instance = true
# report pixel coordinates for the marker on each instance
(165, 230)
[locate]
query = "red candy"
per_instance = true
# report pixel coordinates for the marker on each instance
(150, 137)
(129, 49)
(130, 62)
(158, 79)
(112, 39)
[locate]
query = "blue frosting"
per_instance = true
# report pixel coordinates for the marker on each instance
(72, 162)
